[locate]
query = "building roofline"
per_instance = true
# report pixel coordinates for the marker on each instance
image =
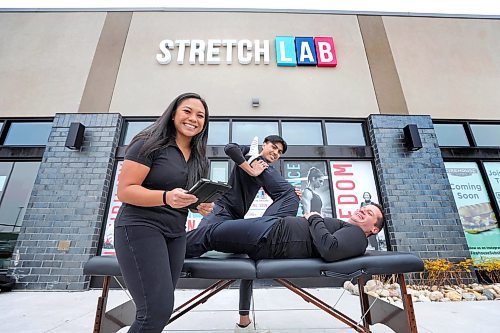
(247, 10)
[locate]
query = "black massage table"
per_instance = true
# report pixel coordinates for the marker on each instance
(227, 269)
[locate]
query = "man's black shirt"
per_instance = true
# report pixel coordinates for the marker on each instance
(244, 187)
(327, 238)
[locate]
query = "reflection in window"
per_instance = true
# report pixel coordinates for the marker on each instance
(302, 133)
(219, 171)
(16, 180)
(245, 131)
(218, 133)
(486, 134)
(451, 135)
(134, 127)
(350, 134)
(1, 125)
(28, 134)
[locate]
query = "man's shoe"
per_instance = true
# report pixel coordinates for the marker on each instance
(251, 328)
(254, 150)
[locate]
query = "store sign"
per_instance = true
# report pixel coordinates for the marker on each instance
(290, 51)
(305, 51)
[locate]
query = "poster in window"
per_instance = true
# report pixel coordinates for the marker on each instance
(108, 244)
(259, 205)
(354, 187)
(295, 172)
(493, 174)
(311, 177)
(474, 208)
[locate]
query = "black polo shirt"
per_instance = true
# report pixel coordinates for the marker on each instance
(168, 170)
(244, 187)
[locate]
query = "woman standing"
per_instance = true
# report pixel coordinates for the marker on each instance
(150, 238)
(311, 201)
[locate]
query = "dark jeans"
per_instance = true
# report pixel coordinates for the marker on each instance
(244, 236)
(151, 264)
(285, 201)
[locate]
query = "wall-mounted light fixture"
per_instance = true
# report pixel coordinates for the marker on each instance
(255, 102)
(74, 140)
(412, 138)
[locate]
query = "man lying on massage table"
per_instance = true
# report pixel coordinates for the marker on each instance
(311, 236)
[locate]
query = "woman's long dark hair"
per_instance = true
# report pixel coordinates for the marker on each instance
(314, 173)
(163, 132)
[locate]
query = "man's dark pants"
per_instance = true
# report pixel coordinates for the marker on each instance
(286, 203)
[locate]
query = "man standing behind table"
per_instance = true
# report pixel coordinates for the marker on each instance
(252, 172)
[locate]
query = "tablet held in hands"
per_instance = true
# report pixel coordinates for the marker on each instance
(208, 191)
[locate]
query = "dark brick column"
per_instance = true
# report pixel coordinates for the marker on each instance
(422, 217)
(67, 204)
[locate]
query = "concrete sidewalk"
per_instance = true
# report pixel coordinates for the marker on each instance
(275, 308)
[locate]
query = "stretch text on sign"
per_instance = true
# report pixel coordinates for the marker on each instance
(290, 51)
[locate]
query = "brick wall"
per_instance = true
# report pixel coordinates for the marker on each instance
(422, 217)
(67, 204)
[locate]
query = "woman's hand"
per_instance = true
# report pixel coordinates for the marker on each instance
(179, 198)
(205, 208)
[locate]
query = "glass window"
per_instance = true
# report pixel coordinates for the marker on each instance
(486, 134)
(474, 208)
(350, 134)
(311, 177)
(219, 171)
(218, 133)
(449, 135)
(108, 243)
(28, 134)
(354, 187)
(16, 183)
(245, 131)
(134, 127)
(1, 125)
(493, 175)
(302, 133)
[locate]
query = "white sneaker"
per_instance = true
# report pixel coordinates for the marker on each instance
(251, 328)
(254, 150)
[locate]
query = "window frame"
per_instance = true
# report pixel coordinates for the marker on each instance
(474, 153)
(294, 151)
(11, 153)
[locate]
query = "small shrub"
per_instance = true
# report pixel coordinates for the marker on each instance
(442, 271)
(488, 269)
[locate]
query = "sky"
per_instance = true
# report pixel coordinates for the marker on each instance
(444, 7)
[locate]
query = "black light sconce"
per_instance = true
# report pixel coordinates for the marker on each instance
(412, 138)
(74, 140)
(255, 102)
